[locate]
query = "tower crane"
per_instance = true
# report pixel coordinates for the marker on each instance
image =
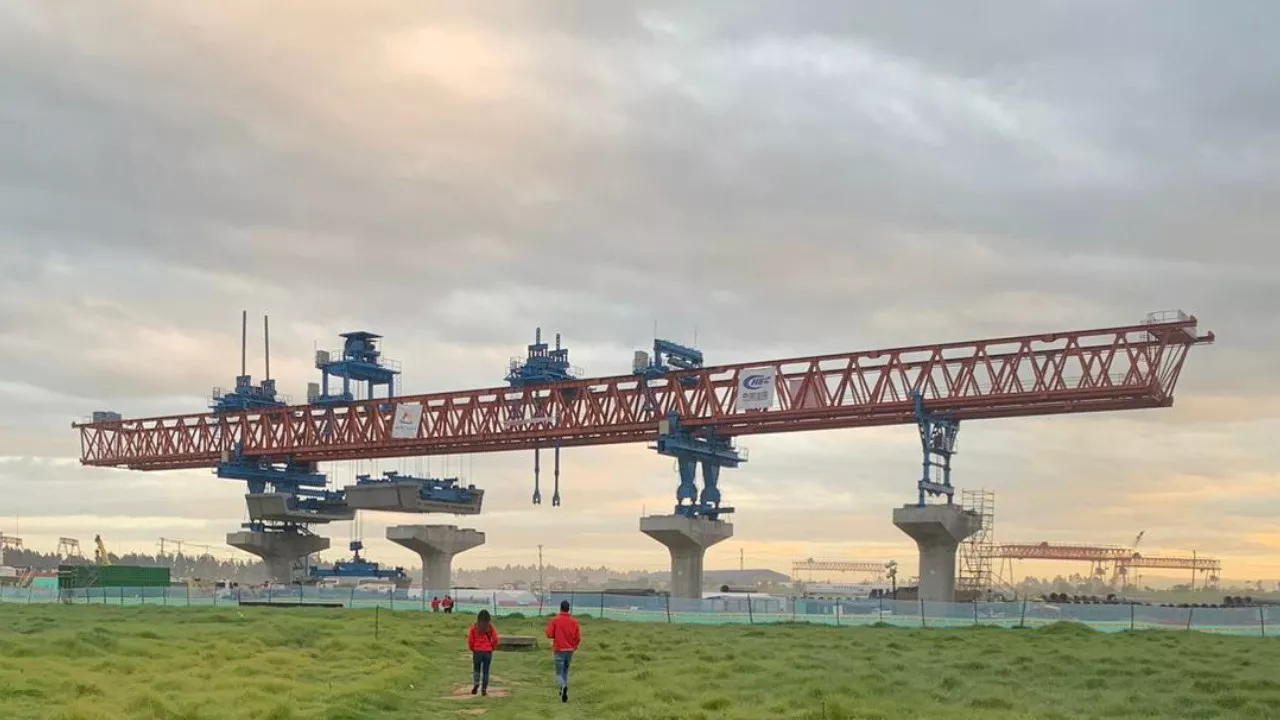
(671, 400)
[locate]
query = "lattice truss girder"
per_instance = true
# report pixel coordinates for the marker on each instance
(1124, 557)
(1122, 368)
(799, 566)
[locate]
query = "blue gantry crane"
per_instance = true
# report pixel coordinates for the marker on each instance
(545, 366)
(541, 367)
(283, 496)
(690, 448)
(246, 395)
(286, 497)
(357, 568)
(667, 356)
(359, 361)
(938, 432)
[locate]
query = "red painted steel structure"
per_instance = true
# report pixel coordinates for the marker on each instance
(1119, 368)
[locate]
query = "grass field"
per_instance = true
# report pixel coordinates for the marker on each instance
(91, 663)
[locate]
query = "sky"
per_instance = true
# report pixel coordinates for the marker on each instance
(767, 179)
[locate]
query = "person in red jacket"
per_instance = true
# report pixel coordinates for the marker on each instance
(565, 636)
(435, 603)
(447, 604)
(482, 639)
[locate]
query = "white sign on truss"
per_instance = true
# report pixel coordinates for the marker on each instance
(804, 397)
(756, 389)
(408, 419)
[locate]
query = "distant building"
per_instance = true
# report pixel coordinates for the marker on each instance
(735, 578)
(845, 591)
(736, 602)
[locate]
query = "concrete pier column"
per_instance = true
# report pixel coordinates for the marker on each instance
(279, 550)
(938, 531)
(436, 545)
(687, 539)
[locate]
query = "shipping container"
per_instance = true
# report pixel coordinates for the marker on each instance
(72, 577)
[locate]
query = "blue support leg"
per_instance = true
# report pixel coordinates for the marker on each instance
(938, 433)
(537, 467)
(924, 478)
(690, 449)
(688, 490)
(710, 488)
(543, 367)
(555, 496)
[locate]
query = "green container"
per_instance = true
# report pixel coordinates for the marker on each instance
(71, 577)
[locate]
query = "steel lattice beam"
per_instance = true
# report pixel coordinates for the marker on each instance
(1122, 368)
(1045, 551)
(798, 566)
(1122, 557)
(1175, 563)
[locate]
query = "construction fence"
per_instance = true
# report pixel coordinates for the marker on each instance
(737, 609)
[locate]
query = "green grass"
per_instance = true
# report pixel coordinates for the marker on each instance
(91, 663)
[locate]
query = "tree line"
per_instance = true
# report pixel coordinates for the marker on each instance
(204, 567)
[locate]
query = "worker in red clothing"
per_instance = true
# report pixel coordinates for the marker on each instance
(482, 639)
(435, 603)
(565, 636)
(447, 604)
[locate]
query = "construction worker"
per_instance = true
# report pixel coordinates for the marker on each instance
(447, 604)
(566, 636)
(482, 639)
(435, 603)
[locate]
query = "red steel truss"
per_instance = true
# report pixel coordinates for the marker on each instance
(1119, 368)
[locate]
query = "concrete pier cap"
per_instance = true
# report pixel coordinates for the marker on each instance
(938, 531)
(436, 545)
(687, 539)
(278, 550)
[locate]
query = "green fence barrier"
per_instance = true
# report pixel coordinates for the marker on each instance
(739, 609)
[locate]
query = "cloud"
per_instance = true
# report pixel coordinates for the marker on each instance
(851, 176)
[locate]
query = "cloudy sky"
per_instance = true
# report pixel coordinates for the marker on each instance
(778, 178)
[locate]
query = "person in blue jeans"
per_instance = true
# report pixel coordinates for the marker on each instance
(566, 636)
(482, 640)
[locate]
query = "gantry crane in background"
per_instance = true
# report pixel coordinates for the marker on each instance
(875, 568)
(670, 399)
(977, 553)
(1120, 560)
(9, 542)
(69, 548)
(170, 546)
